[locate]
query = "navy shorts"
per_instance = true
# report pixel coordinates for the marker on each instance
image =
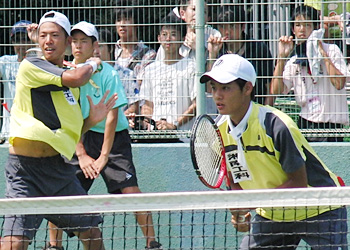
(40, 177)
(325, 231)
(119, 171)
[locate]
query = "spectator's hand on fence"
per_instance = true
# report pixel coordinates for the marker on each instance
(32, 32)
(164, 125)
(131, 119)
(285, 46)
(330, 21)
(215, 45)
(190, 40)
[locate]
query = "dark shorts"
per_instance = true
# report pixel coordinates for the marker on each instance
(42, 177)
(325, 231)
(119, 171)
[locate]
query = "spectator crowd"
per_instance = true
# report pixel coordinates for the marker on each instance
(159, 78)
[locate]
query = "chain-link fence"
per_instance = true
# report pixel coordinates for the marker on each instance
(161, 86)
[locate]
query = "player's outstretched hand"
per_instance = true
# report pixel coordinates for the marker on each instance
(99, 111)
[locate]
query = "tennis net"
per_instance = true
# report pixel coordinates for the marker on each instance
(182, 220)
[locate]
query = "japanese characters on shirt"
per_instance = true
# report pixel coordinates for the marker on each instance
(69, 97)
(239, 173)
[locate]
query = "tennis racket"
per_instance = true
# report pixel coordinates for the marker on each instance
(208, 153)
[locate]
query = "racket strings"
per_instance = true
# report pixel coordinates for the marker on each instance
(208, 151)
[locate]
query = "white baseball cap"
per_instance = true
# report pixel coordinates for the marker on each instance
(56, 17)
(87, 28)
(228, 68)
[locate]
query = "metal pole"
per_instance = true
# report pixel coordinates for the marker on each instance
(200, 57)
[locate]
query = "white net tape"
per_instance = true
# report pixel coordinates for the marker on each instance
(300, 197)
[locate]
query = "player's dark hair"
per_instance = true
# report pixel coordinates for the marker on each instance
(174, 22)
(308, 13)
(241, 83)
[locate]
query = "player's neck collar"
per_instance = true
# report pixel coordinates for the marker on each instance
(237, 131)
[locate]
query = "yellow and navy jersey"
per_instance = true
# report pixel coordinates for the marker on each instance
(45, 110)
(273, 146)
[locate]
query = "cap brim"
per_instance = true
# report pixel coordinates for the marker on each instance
(78, 29)
(84, 31)
(219, 77)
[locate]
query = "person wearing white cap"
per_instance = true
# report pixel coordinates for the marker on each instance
(266, 150)
(105, 149)
(46, 124)
(9, 65)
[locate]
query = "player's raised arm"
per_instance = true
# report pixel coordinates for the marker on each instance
(80, 76)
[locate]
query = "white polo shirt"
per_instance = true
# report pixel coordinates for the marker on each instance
(319, 100)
